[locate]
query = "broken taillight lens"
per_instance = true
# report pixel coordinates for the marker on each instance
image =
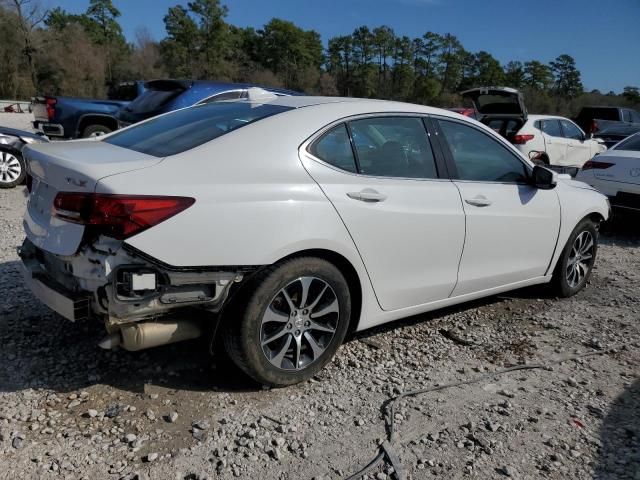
(595, 165)
(118, 216)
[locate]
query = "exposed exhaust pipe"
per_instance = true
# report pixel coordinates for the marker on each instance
(152, 334)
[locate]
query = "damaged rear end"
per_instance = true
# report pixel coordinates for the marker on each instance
(77, 260)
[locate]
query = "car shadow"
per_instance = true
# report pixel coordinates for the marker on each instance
(620, 437)
(622, 229)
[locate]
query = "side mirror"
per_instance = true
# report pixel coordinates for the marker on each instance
(543, 178)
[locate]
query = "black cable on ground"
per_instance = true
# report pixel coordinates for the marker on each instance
(386, 451)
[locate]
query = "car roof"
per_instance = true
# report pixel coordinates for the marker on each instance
(544, 117)
(365, 104)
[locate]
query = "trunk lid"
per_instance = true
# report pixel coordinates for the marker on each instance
(70, 167)
(497, 101)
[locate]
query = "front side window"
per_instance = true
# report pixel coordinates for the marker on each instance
(393, 147)
(551, 127)
(334, 148)
(188, 128)
(571, 130)
(480, 158)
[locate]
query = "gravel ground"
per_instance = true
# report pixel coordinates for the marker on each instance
(71, 410)
(21, 121)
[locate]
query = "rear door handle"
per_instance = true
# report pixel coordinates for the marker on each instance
(367, 195)
(479, 201)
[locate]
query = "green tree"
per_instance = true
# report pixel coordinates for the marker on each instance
(632, 94)
(514, 74)
(567, 76)
(180, 49)
(537, 75)
(213, 33)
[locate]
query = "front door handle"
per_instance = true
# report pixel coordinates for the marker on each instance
(367, 195)
(479, 201)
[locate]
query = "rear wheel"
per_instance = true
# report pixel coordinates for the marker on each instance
(290, 322)
(577, 259)
(95, 131)
(12, 169)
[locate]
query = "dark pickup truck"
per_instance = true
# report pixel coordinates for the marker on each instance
(611, 124)
(68, 117)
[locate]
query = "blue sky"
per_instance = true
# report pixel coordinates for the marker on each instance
(603, 37)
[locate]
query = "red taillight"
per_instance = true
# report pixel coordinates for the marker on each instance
(595, 165)
(594, 127)
(50, 104)
(118, 216)
(521, 139)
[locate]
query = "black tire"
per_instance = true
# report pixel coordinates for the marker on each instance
(95, 130)
(561, 283)
(12, 169)
(243, 324)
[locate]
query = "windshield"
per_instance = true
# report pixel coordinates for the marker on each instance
(186, 129)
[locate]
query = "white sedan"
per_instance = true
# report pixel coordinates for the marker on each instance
(616, 173)
(289, 222)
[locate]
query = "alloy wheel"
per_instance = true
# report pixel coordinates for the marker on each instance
(299, 323)
(10, 168)
(580, 259)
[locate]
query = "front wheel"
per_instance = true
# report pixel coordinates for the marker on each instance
(290, 322)
(577, 259)
(12, 169)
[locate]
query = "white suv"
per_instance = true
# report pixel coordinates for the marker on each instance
(544, 138)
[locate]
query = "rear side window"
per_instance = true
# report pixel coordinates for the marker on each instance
(599, 113)
(334, 148)
(393, 147)
(571, 131)
(626, 116)
(631, 143)
(186, 129)
(221, 97)
(480, 158)
(551, 127)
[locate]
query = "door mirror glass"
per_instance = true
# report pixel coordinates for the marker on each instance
(543, 178)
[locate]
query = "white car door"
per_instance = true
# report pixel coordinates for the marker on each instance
(579, 148)
(511, 226)
(407, 224)
(555, 143)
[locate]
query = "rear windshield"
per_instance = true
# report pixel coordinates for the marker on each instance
(186, 129)
(631, 143)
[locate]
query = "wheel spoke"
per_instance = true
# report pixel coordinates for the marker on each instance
(286, 296)
(283, 331)
(321, 328)
(315, 348)
(297, 347)
(306, 284)
(333, 307)
(272, 315)
(318, 298)
(587, 246)
(277, 360)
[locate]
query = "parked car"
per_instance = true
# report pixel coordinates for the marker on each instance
(548, 139)
(67, 117)
(162, 96)
(611, 124)
(616, 173)
(12, 167)
(292, 230)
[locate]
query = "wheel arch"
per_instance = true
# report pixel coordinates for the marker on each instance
(96, 119)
